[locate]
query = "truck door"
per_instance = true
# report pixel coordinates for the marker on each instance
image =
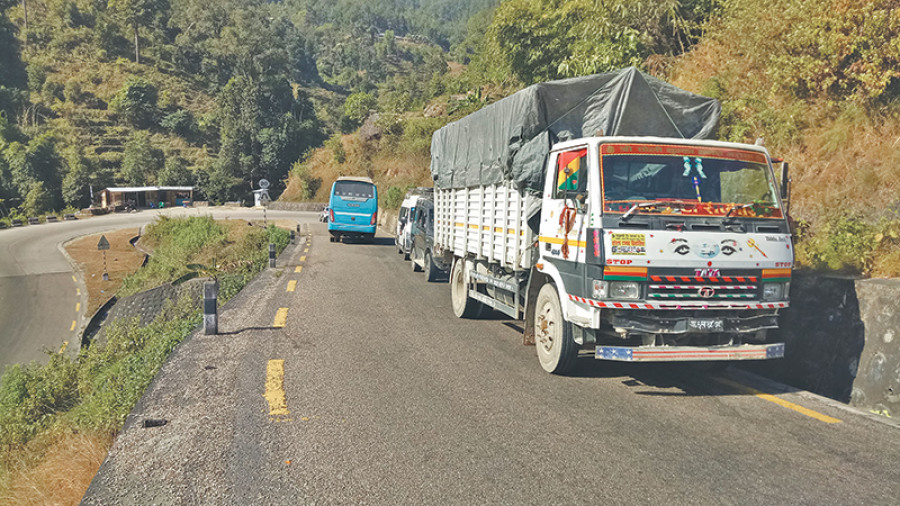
(562, 237)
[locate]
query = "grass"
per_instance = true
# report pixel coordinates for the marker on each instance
(64, 415)
(122, 259)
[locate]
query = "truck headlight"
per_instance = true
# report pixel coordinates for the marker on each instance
(775, 291)
(616, 289)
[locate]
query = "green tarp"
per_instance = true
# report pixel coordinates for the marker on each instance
(509, 140)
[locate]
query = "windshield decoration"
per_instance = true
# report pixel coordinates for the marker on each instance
(698, 165)
(569, 167)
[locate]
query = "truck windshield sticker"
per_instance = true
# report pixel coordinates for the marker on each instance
(629, 244)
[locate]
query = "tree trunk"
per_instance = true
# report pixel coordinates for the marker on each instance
(25, 20)
(137, 46)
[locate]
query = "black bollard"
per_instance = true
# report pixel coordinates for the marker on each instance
(272, 255)
(210, 313)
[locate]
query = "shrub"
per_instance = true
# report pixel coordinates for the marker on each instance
(136, 103)
(180, 122)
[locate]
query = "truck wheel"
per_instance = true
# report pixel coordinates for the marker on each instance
(463, 305)
(556, 349)
(415, 266)
(431, 270)
(406, 256)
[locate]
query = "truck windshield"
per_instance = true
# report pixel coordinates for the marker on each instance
(687, 180)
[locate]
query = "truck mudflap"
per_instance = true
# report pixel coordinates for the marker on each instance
(690, 353)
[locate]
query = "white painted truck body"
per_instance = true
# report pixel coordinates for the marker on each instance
(696, 279)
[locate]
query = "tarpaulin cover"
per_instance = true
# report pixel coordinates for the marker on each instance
(510, 140)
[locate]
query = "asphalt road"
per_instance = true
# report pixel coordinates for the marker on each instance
(387, 398)
(42, 297)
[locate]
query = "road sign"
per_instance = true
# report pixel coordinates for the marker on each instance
(264, 184)
(103, 244)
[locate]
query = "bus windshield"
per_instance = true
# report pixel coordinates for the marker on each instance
(662, 179)
(354, 189)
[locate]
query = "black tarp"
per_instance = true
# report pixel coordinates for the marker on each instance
(509, 140)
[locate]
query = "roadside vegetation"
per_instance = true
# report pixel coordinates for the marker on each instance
(70, 410)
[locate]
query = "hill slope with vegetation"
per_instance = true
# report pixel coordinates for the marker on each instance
(818, 80)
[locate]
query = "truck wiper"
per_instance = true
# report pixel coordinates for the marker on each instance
(735, 208)
(635, 207)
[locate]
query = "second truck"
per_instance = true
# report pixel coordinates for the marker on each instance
(599, 210)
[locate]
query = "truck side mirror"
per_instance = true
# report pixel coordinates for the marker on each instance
(785, 186)
(579, 202)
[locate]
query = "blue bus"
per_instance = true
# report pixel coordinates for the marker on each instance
(353, 208)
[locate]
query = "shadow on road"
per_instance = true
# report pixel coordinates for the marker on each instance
(245, 329)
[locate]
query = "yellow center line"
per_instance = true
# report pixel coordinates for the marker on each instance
(303, 258)
(275, 388)
(299, 268)
(77, 307)
(781, 402)
(74, 279)
(280, 317)
(78, 291)
(292, 285)
(72, 327)
(306, 250)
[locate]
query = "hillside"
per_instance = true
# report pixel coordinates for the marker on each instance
(135, 92)
(819, 81)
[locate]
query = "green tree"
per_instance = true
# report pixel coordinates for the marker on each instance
(141, 161)
(357, 108)
(136, 14)
(136, 103)
(76, 183)
(37, 200)
(36, 161)
(176, 173)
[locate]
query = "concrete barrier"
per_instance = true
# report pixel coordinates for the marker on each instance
(34, 220)
(51, 218)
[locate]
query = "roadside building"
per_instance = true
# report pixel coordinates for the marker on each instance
(146, 196)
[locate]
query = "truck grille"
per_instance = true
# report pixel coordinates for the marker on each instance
(694, 288)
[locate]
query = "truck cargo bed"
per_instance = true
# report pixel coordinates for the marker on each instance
(489, 222)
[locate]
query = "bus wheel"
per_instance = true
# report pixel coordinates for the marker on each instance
(556, 349)
(463, 305)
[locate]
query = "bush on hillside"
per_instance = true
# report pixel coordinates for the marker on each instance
(136, 103)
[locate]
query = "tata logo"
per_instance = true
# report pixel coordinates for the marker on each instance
(708, 273)
(706, 292)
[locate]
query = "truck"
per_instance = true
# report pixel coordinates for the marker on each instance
(601, 211)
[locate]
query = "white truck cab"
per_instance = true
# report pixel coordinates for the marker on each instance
(648, 249)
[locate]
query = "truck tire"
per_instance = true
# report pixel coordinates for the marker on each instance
(415, 266)
(556, 349)
(431, 270)
(463, 305)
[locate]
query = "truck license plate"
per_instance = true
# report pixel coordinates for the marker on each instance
(706, 325)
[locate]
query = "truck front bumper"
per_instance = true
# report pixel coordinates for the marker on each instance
(689, 353)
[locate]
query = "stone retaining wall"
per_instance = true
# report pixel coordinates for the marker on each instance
(298, 206)
(842, 340)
